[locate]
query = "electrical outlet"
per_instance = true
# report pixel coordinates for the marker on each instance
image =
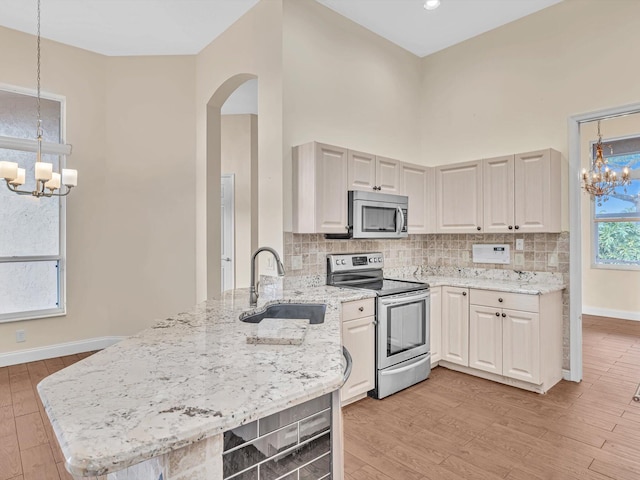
(552, 259)
(296, 262)
(21, 336)
(520, 244)
(465, 256)
(519, 260)
(270, 263)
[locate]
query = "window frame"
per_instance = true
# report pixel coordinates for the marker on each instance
(613, 219)
(61, 258)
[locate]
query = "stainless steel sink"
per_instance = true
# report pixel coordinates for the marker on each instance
(311, 311)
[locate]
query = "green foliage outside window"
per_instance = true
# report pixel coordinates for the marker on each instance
(619, 242)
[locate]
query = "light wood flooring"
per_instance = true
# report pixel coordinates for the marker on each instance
(451, 427)
(28, 448)
(455, 426)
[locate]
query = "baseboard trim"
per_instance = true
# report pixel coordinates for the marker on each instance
(566, 375)
(58, 350)
(605, 312)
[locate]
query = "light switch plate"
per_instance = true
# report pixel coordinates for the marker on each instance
(518, 260)
(520, 244)
(296, 262)
(552, 260)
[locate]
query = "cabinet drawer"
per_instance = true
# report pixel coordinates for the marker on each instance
(358, 309)
(513, 301)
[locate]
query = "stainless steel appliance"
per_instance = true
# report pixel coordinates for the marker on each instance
(375, 215)
(403, 355)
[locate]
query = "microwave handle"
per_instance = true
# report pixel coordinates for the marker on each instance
(401, 224)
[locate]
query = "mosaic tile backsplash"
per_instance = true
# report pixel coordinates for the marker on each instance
(439, 252)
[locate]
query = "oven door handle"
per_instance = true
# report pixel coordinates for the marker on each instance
(392, 371)
(401, 224)
(347, 370)
(407, 299)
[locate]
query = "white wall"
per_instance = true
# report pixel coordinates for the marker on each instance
(346, 86)
(130, 224)
(252, 45)
(608, 291)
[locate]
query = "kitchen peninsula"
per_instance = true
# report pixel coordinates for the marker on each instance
(157, 404)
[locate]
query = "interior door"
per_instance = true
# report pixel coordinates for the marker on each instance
(227, 231)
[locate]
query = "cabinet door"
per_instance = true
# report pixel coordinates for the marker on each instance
(497, 191)
(359, 338)
(455, 325)
(388, 175)
(435, 319)
(538, 191)
(521, 346)
(331, 194)
(361, 171)
(459, 198)
(417, 185)
(485, 339)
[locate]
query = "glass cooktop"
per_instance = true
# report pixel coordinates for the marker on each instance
(388, 286)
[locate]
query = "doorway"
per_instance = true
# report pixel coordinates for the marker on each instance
(227, 231)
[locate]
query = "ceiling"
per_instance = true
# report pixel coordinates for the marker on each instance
(184, 27)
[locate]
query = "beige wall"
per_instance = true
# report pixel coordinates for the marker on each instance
(346, 86)
(606, 291)
(130, 227)
(239, 156)
(252, 45)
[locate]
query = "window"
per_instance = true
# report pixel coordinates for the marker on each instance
(31, 229)
(617, 219)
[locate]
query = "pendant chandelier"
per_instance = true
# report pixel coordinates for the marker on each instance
(600, 181)
(48, 182)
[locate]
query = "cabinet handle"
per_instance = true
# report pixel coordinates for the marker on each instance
(510, 227)
(504, 315)
(361, 309)
(478, 228)
(464, 294)
(374, 322)
(517, 227)
(497, 314)
(346, 227)
(500, 300)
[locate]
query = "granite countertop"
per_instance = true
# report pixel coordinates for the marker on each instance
(190, 377)
(511, 286)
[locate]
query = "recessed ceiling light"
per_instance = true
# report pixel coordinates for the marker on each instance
(431, 4)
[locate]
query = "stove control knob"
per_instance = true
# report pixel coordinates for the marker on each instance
(343, 262)
(371, 260)
(337, 262)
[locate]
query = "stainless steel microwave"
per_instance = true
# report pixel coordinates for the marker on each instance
(376, 215)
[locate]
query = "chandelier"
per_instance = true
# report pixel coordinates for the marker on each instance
(600, 181)
(48, 182)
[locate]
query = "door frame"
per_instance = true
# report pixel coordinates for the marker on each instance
(232, 229)
(575, 227)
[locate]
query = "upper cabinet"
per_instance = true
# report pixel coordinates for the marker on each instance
(522, 192)
(538, 191)
(418, 184)
(459, 198)
(319, 193)
(370, 172)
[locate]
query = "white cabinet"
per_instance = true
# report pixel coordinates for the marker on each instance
(455, 325)
(538, 191)
(319, 191)
(459, 197)
(418, 184)
(435, 323)
(517, 336)
(522, 192)
(370, 172)
(358, 336)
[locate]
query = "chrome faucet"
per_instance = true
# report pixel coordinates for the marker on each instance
(253, 289)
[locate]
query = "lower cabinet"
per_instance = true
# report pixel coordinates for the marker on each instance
(455, 325)
(359, 337)
(506, 337)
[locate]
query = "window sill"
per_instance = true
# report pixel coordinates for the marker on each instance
(34, 315)
(614, 266)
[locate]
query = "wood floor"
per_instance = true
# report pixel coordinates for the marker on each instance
(28, 448)
(451, 427)
(455, 426)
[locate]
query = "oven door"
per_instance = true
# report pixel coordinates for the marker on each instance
(403, 327)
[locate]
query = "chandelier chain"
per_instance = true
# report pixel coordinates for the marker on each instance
(39, 133)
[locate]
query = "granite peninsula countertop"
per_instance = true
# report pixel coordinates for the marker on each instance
(190, 377)
(511, 286)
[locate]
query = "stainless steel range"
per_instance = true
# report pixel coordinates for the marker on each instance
(403, 355)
